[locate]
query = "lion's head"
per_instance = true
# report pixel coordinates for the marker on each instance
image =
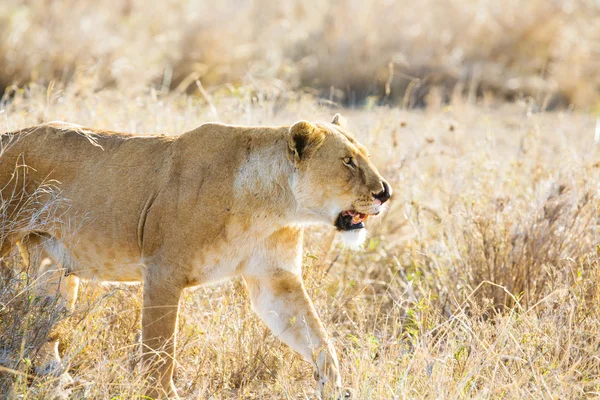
(335, 181)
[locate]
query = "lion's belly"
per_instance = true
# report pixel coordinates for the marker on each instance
(111, 271)
(94, 260)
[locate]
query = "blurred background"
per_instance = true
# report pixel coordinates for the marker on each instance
(352, 52)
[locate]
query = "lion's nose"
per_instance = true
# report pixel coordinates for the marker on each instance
(385, 194)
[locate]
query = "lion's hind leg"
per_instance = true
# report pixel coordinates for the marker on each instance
(56, 290)
(6, 271)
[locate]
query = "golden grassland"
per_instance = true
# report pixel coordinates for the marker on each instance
(355, 52)
(480, 282)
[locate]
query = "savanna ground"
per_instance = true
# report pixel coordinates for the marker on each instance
(482, 280)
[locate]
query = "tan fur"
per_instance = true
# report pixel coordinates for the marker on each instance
(213, 203)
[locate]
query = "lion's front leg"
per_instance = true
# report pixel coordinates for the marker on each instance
(282, 303)
(159, 324)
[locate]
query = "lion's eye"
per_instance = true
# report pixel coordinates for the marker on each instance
(349, 162)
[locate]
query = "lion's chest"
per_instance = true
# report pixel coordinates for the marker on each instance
(228, 257)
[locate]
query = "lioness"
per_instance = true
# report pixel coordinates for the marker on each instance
(174, 212)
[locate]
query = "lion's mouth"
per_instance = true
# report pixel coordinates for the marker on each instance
(350, 220)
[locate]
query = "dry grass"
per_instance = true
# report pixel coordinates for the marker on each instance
(481, 281)
(356, 52)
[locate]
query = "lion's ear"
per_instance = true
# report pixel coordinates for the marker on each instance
(339, 120)
(305, 139)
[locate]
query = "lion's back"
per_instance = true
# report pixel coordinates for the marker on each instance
(76, 155)
(107, 175)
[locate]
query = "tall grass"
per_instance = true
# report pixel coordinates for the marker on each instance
(355, 52)
(481, 281)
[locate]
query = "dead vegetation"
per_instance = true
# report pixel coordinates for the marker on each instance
(482, 281)
(354, 52)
